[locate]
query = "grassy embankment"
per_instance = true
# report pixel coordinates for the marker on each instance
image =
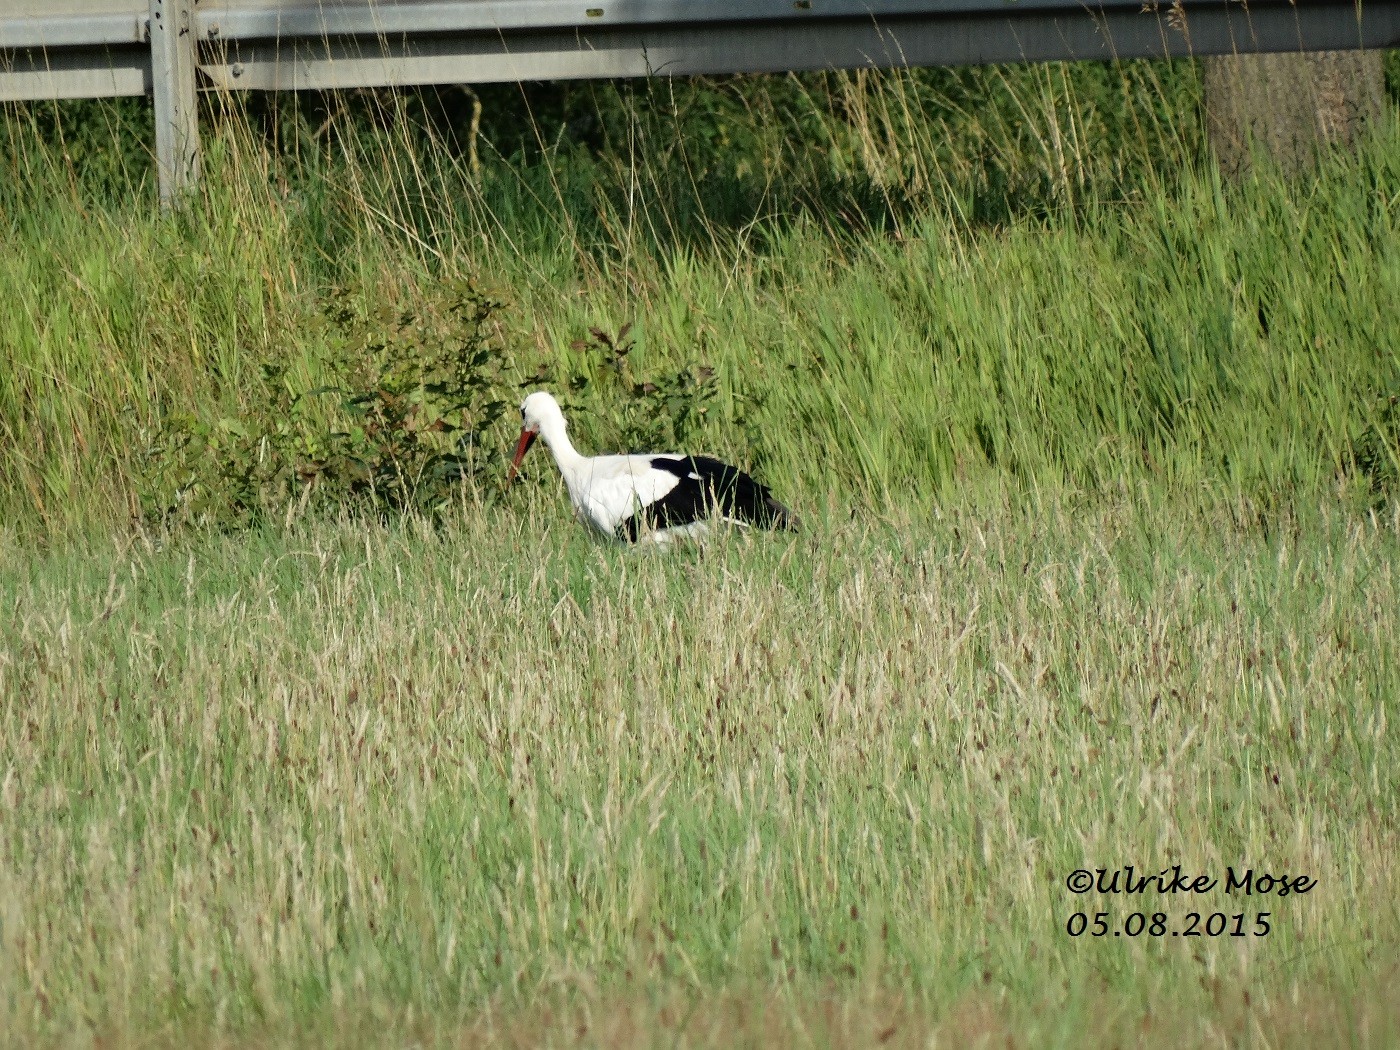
(1129, 596)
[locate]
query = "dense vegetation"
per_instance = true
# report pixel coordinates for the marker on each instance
(309, 731)
(495, 780)
(932, 280)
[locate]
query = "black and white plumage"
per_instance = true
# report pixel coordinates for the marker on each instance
(647, 497)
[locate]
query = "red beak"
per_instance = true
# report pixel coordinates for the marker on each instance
(527, 438)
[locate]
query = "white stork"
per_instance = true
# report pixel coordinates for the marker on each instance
(647, 497)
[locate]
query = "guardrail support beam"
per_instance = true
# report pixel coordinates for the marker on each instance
(172, 30)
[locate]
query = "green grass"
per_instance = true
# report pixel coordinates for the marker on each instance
(493, 776)
(1187, 334)
(1099, 459)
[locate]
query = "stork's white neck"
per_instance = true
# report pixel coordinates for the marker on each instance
(556, 436)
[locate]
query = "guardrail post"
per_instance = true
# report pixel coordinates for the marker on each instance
(173, 87)
(1293, 105)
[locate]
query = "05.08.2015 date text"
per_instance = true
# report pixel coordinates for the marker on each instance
(1157, 924)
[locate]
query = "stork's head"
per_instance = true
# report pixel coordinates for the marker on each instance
(539, 414)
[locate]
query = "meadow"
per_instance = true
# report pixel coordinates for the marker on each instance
(1099, 461)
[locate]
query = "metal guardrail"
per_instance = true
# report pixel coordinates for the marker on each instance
(169, 49)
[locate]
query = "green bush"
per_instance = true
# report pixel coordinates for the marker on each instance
(396, 423)
(627, 412)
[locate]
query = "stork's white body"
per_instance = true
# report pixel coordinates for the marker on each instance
(653, 498)
(608, 490)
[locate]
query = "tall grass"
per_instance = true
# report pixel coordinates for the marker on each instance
(1099, 457)
(499, 782)
(879, 329)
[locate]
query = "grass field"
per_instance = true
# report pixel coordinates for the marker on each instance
(1099, 459)
(1185, 335)
(356, 780)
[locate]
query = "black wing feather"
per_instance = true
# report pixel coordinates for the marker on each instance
(706, 485)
